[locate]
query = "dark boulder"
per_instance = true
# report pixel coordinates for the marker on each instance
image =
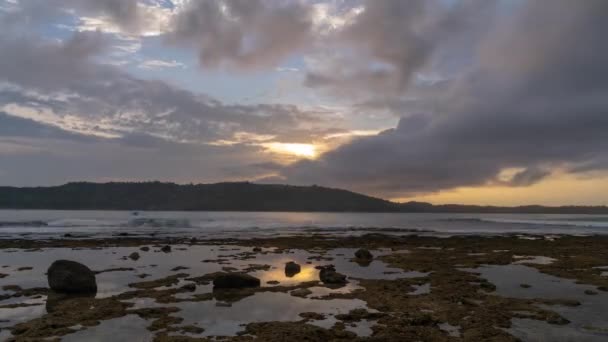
(66, 276)
(328, 275)
(235, 281)
(134, 256)
(166, 249)
(363, 254)
(291, 269)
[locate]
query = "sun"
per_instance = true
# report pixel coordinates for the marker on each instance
(298, 150)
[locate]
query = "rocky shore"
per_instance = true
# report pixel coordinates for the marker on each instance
(448, 299)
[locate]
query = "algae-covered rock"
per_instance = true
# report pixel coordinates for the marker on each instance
(66, 276)
(235, 281)
(328, 275)
(363, 254)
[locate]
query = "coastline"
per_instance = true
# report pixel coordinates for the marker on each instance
(458, 294)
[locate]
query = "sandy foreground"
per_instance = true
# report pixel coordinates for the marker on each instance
(471, 288)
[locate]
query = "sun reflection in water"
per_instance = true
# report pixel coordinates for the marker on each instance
(307, 273)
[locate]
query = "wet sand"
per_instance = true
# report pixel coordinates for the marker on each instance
(471, 288)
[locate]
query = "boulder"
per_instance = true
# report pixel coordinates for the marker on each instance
(291, 269)
(145, 248)
(328, 275)
(166, 249)
(66, 276)
(363, 254)
(134, 256)
(235, 281)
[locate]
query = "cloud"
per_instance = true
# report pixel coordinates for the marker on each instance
(535, 99)
(486, 92)
(388, 42)
(160, 64)
(28, 161)
(243, 34)
(118, 16)
(68, 115)
(88, 96)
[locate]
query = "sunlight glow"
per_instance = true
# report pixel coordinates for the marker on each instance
(298, 150)
(555, 190)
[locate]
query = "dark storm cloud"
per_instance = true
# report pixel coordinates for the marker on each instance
(385, 33)
(243, 33)
(392, 40)
(537, 101)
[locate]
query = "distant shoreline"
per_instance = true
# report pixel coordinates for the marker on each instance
(311, 211)
(239, 197)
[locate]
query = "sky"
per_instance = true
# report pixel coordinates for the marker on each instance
(500, 102)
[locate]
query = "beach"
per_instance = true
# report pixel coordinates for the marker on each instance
(413, 285)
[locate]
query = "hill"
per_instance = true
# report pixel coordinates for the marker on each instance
(238, 196)
(242, 196)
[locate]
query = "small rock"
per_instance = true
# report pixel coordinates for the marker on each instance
(590, 292)
(14, 288)
(145, 248)
(525, 286)
(363, 254)
(166, 249)
(300, 293)
(291, 269)
(235, 281)
(189, 287)
(328, 275)
(312, 315)
(66, 276)
(273, 282)
(223, 304)
(558, 320)
(179, 268)
(422, 319)
(257, 249)
(134, 256)
(487, 286)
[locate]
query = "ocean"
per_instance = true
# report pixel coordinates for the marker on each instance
(56, 223)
